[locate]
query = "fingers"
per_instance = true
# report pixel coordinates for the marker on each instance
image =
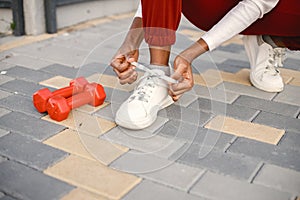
(130, 79)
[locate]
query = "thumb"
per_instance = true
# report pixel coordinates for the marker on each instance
(179, 71)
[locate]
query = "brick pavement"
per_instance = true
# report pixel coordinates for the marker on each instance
(223, 140)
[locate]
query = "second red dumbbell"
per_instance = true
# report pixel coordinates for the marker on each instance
(59, 107)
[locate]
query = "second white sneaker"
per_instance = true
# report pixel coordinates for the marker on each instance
(151, 95)
(264, 61)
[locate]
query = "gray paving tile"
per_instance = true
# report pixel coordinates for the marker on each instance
(21, 104)
(5, 65)
(4, 94)
(108, 112)
(278, 121)
(97, 67)
(158, 170)
(27, 61)
(20, 87)
(291, 63)
(289, 95)
(30, 126)
(233, 66)
(198, 155)
(272, 154)
(145, 142)
(29, 152)
(279, 178)
(241, 56)
(180, 113)
(1, 195)
(62, 70)
(201, 65)
(233, 48)
(219, 108)
(148, 190)
(28, 74)
(2, 159)
(220, 94)
(5, 79)
(290, 140)
(26, 183)
(246, 90)
(268, 106)
(3, 132)
(7, 198)
(3, 111)
(116, 96)
(215, 186)
(186, 99)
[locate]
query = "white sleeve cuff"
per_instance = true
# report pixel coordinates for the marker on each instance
(139, 11)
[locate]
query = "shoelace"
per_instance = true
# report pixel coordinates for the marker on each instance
(276, 57)
(145, 88)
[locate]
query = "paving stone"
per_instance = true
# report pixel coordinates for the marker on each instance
(3, 132)
(215, 94)
(14, 182)
(185, 114)
(28, 74)
(29, 126)
(272, 154)
(4, 66)
(97, 67)
(215, 107)
(295, 82)
(240, 128)
(207, 81)
(214, 159)
(279, 178)
(4, 79)
(246, 90)
(148, 190)
(148, 142)
(116, 96)
(87, 173)
(158, 170)
(233, 66)
(4, 94)
(2, 160)
(21, 104)
(7, 198)
(56, 82)
(23, 149)
(28, 61)
(3, 111)
(62, 70)
(110, 81)
(290, 140)
(186, 99)
(215, 186)
(268, 106)
(278, 121)
(20, 87)
(1, 195)
(86, 146)
(108, 112)
(241, 56)
(82, 194)
(289, 95)
(292, 63)
(84, 123)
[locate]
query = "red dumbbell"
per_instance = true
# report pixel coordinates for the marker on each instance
(59, 107)
(41, 97)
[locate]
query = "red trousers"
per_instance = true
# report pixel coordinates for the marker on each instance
(283, 20)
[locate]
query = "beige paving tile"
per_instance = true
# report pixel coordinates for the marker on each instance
(207, 81)
(295, 81)
(93, 176)
(82, 194)
(85, 123)
(235, 40)
(91, 109)
(86, 146)
(56, 82)
(242, 77)
(110, 81)
(245, 129)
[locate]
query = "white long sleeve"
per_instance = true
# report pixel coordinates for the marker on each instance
(236, 20)
(139, 11)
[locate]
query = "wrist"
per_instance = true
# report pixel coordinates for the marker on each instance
(194, 50)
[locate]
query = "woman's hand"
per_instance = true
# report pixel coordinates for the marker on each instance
(183, 73)
(121, 64)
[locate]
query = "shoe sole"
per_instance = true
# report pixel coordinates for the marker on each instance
(148, 121)
(255, 84)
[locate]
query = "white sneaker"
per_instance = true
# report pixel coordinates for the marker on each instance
(264, 61)
(151, 95)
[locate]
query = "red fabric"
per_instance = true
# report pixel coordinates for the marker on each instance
(283, 20)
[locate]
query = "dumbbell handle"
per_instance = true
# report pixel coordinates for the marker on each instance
(80, 99)
(66, 91)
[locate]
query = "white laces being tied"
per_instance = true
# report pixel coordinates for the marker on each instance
(144, 89)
